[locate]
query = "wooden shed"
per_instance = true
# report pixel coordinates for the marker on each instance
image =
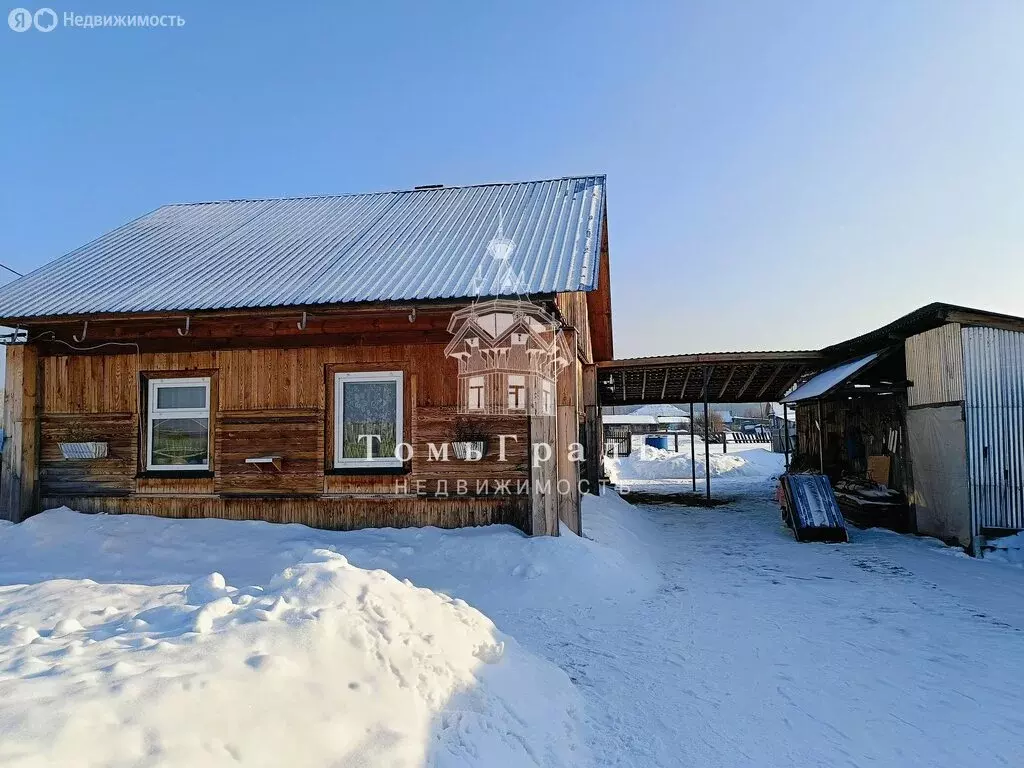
(229, 359)
(930, 406)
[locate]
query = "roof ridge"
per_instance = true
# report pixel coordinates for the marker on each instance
(407, 190)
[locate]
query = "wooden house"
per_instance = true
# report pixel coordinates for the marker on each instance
(285, 360)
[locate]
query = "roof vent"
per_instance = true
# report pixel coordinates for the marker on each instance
(430, 186)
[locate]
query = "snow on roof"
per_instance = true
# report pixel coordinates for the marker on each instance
(629, 418)
(659, 410)
(828, 380)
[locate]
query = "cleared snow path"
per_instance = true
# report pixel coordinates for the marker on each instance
(758, 651)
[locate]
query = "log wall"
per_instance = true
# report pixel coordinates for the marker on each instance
(272, 401)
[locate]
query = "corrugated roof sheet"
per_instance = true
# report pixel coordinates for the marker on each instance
(387, 246)
(828, 380)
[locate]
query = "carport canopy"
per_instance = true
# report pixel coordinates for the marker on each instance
(718, 377)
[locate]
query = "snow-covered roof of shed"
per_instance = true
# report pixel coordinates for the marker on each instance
(660, 409)
(424, 243)
(628, 418)
(828, 380)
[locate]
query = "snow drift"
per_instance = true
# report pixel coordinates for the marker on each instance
(327, 664)
(649, 463)
(1008, 549)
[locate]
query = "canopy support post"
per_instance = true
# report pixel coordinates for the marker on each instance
(707, 444)
(693, 452)
(785, 427)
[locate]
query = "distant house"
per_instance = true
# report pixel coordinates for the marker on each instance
(285, 360)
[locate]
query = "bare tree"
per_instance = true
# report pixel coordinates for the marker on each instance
(717, 425)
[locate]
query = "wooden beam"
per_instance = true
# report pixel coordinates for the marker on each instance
(747, 383)
(664, 385)
(190, 344)
(793, 379)
(776, 372)
(709, 371)
(728, 380)
(643, 388)
(593, 431)
(290, 313)
(713, 358)
(686, 381)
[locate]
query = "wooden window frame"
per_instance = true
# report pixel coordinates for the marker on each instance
(389, 463)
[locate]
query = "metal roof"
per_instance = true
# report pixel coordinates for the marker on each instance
(920, 320)
(425, 243)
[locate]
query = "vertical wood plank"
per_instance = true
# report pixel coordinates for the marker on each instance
(19, 468)
(594, 430)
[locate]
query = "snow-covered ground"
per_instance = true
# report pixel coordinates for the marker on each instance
(140, 641)
(684, 636)
(654, 470)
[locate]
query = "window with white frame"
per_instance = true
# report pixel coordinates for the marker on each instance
(178, 431)
(367, 419)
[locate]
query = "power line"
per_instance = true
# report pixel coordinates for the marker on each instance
(12, 270)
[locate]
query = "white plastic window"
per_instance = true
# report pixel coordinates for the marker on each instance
(367, 419)
(178, 428)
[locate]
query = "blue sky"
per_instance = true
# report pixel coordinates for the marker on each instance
(781, 175)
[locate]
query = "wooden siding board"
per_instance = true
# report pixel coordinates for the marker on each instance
(114, 474)
(272, 401)
(935, 365)
(297, 436)
(348, 513)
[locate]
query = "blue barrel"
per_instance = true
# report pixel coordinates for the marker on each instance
(657, 441)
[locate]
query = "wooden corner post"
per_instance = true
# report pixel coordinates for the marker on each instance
(19, 472)
(593, 429)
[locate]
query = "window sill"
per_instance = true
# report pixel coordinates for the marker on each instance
(174, 474)
(403, 470)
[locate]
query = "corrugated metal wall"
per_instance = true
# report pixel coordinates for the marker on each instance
(935, 365)
(994, 400)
